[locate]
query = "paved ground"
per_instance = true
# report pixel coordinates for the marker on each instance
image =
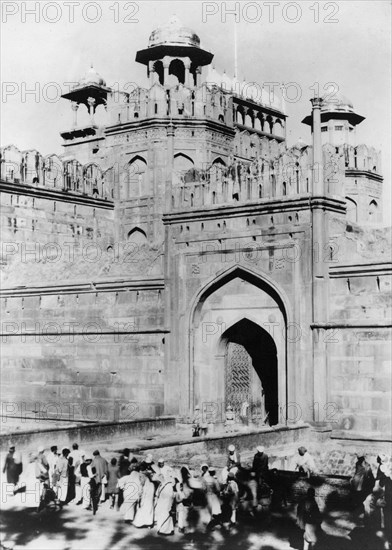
(76, 529)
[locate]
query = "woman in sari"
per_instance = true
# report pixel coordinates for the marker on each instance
(145, 514)
(131, 488)
(212, 491)
(183, 499)
(164, 504)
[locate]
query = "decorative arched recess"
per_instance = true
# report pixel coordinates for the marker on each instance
(182, 162)
(137, 236)
(183, 168)
(372, 210)
(279, 317)
(137, 178)
(352, 209)
(219, 161)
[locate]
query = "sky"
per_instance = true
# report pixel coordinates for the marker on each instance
(47, 44)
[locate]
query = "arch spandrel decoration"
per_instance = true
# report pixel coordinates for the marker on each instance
(258, 279)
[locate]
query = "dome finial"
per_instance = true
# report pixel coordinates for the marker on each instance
(174, 20)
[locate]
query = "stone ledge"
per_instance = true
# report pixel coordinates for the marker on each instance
(360, 270)
(224, 437)
(61, 195)
(87, 433)
(253, 208)
(92, 287)
(359, 436)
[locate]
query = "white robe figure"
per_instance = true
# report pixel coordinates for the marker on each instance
(132, 489)
(163, 506)
(62, 469)
(85, 490)
(52, 459)
(183, 502)
(212, 492)
(145, 513)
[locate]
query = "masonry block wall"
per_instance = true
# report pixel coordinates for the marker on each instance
(72, 348)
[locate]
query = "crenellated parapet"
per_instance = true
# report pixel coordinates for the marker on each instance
(30, 169)
(288, 173)
(362, 157)
(177, 102)
(207, 101)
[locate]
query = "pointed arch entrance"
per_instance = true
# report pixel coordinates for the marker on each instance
(251, 373)
(239, 317)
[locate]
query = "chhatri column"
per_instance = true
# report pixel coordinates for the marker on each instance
(187, 65)
(151, 72)
(165, 63)
(75, 107)
(91, 104)
(198, 73)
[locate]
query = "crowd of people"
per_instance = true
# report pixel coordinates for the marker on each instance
(152, 493)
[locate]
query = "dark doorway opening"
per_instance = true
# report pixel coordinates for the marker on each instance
(251, 370)
(177, 68)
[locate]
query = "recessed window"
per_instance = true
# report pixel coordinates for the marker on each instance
(339, 128)
(324, 129)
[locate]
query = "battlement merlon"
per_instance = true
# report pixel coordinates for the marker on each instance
(23, 171)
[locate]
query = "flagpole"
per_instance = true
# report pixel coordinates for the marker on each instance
(235, 50)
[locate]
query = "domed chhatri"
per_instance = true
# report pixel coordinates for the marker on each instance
(336, 106)
(90, 91)
(174, 33)
(173, 39)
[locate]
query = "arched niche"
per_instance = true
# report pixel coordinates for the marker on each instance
(219, 162)
(92, 175)
(136, 175)
(53, 171)
(137, 236)
(217, 169)
(352, 210)
(73, 176)
(182, 162)
(373, 210)
(184, 169)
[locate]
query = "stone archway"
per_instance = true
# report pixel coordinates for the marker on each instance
(251, 371)
(236, 306)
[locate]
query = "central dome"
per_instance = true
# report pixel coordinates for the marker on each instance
(174, 33)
